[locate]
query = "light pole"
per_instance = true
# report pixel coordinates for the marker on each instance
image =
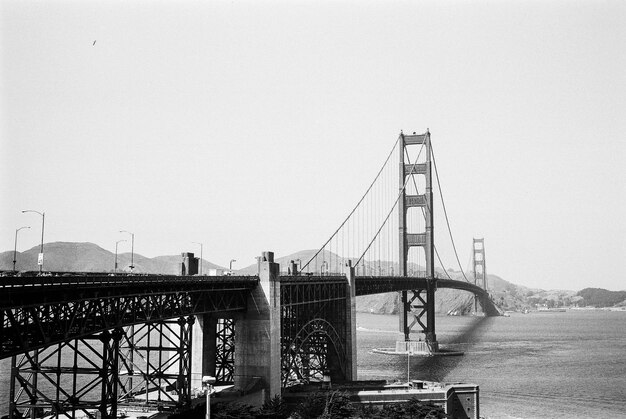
(408, 369)
(116, 243)
(132, 249)
(200, 256)
(207, 380)
(324, 265)
(230, 265)
(43, 222)
(15, 248)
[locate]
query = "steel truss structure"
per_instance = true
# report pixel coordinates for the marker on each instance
(67, 378)
(225, 351)
(155, 363)
(144, 366)
(313, 327)
(36, 312)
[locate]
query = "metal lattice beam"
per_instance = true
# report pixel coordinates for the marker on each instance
(147, 365)
(27, 326)
(63, 379)
(225, 351)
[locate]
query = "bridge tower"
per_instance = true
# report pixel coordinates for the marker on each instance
(421, 302)
(479, 268)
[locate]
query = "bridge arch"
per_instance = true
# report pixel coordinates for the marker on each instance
(311, 352)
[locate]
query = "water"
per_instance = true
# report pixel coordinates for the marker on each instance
(552, 365)
(556, 365)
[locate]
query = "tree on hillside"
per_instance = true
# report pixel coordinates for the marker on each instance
(233, 411)
(412, 409)
(275, 408)
(600, 297)
(326, 405)
(218, 411)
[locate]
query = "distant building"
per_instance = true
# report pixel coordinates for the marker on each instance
(217, 272)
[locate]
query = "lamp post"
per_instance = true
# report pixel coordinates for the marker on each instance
(116, 243)
(408, 368)
(200, 256)
(43, 222)
(132, 249)
(207, 380)
(230, 265)
(15, 248)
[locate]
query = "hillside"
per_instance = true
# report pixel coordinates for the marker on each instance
(89, 257)
(598, 297)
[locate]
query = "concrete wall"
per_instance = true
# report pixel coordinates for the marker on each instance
(463, 401)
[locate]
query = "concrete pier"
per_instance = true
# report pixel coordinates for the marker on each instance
(350, 372)
(203, 349)
(416, 347)
(257, 335)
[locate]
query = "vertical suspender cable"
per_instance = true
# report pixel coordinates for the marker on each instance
(443, 204)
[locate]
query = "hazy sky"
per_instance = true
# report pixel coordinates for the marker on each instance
(254, 126)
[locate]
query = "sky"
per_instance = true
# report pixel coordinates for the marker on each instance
(252, 126)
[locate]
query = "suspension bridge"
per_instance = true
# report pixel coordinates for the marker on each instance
(92, 342)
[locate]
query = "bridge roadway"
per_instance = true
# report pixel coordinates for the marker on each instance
(382, 284)
(38, 311)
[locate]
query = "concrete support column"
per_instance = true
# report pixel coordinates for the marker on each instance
(203, 349)
(350, 372)
(257, 341)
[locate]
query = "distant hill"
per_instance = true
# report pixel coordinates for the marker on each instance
(598, 297)
(89, 257)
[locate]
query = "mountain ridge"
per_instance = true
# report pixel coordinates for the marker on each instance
(89, 257)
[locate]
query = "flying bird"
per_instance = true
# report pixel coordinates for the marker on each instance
(94, 43)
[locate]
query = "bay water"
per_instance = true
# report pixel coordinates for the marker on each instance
(540, 365)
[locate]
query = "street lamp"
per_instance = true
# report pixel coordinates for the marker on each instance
(116, 243)
(207, 380)
(15, 248)
(200, 256)
(132, 249)
(43, 222)
(230, 264)
(408, 368)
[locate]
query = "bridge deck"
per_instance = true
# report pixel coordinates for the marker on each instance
(366, 285)
(33, 290)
